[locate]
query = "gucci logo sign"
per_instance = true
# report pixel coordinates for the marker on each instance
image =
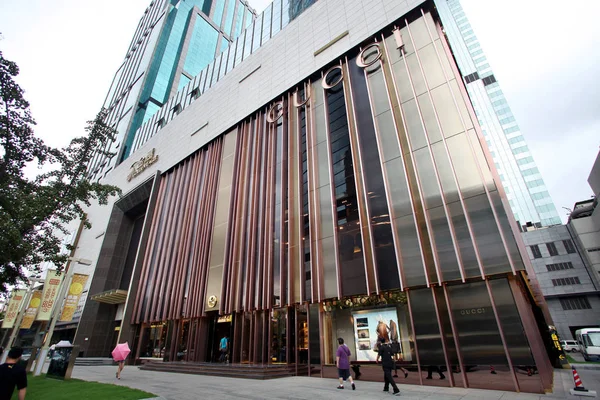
(275, 112)
(327, 85)
(360, 60)
(368, 56)
(299, 104)
(472, 311)
(212, 301)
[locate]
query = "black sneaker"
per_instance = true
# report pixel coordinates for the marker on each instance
(353, 386)
(386, 390)
(396, 393)
(395, 376)
(443, 377)
(340, 387)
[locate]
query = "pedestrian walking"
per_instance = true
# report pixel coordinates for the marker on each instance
(432, 369)
(13, 375)
(386, 355)
(120, 368)
(120, 353)
(396, 348)
(343, 364)
(223, 346)
(398, 357)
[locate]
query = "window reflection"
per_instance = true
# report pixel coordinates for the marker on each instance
(239, 20)
(379, 213)
(487, 236)
(278, 351)
(463, 240)
(427, 332)
(484, 358)
(257, 32)
(351, 255)
(278, 235)
(326, 207)
(448, 337)
(477, 330)
(297, 7)
(266, 28)
(304, 193)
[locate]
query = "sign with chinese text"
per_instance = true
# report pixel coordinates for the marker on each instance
(139, 166)
(13, 308)
(31, 312)
(51, 286)
(75, 290)
(224, 318)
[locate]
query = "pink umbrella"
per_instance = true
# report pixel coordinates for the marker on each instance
(121, 352)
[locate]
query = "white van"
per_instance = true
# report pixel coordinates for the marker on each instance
(589, 343)
(569, 345)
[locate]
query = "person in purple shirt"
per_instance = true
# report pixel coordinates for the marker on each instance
(343, 364)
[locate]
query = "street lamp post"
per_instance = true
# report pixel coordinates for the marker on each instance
(39, 365)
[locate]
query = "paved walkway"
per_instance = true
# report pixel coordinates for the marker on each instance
(171, 386)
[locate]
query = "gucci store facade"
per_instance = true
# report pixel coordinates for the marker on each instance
(364, 196)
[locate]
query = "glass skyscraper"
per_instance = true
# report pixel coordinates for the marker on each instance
(527, 194)
(173, 42)
(181, 43)
(205, 27)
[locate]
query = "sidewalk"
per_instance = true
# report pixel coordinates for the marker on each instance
(171, 386)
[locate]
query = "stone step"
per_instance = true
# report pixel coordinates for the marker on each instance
(246, 371)
(94, 361)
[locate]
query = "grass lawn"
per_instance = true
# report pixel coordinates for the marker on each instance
(572, 360)
(40, 387)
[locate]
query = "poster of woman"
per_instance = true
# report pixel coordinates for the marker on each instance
(370, 325)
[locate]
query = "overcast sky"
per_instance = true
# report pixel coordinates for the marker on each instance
(544, 55)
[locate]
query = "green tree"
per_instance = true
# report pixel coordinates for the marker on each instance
(35, 212)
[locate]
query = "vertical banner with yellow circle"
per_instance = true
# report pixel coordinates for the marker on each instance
(75, 290)
(49, 295)
(14, 305)
(31, 312)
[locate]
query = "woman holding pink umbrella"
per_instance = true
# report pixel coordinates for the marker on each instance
(119, 354)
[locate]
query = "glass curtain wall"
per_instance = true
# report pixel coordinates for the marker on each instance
(527, 194)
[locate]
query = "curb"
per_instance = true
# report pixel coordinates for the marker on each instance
(587, 366)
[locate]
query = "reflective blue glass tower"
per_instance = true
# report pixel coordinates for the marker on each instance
(194, 32)
(180, 44)
(528, 196)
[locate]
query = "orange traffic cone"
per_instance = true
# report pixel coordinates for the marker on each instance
(579, 390)
(577, 380)
(492, 370)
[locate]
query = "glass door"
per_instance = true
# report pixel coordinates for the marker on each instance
(278, 351)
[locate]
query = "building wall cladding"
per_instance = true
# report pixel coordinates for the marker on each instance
(381, 153)
(586, 226)
(367, 178)
(562, 275)
(567, 320)
(285, 59)
(392, 158)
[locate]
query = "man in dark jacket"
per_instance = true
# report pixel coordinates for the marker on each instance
(12, 374)
(387, 362)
